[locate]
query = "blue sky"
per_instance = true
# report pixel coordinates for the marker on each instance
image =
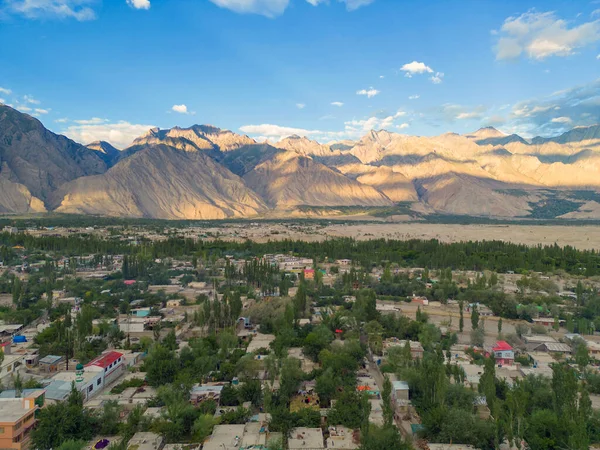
(110, 69)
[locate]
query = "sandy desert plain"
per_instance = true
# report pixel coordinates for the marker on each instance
(581, 237)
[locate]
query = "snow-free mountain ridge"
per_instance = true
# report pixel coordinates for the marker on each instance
(203, 172)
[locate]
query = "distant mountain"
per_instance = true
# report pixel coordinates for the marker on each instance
(288, 180)
(203, 172)
(106, 151)
(577, 134)
(304, 146)
(202, 137)
(161, 182)
(35, 161)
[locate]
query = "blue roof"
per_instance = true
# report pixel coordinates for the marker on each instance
(12, 393)
(58, 390)
(50, 359)
(207, 388)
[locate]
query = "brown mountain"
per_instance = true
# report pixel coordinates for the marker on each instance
(203, 172)
(34, 161)
(288, 179)
(161, 182)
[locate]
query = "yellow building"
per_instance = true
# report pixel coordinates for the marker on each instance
(17, 418)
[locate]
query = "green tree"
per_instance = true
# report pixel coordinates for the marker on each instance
(383, 438)
(461, 322)
(474, 318)
(388, 407)
(500, 326)
(203, 427)
(72, 445)
(64, 421)
(317, 340)
(351, 409)
(161, 365)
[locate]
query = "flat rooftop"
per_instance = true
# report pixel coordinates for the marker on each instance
(306, 438)
(225, 437)
(12, 410)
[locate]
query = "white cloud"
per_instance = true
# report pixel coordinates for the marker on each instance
(558, 112)
(300, 105)
(561, 120)
(539, 35)
(181, 109)
(92, 121)
(381, 76)
(120, 134)
(468, 115)
(437, 78)
(449, 113)
(30, 99)
(368, 92)
(139, 4)
(42, 111)
(351, 5)
(62, 120)
(23, 108)
(5, 91)
(415, 68)
(598, 57)
(356, 128)
(414, 97)
(402, 126)
(61, 9)
(2, 101)
(339, 104)
(268, 8)
(277, 132)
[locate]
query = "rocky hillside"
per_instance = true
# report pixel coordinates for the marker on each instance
(34, 162)
(203, 172)
(161, 182)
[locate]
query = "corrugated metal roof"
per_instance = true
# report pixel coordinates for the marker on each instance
(556, 347)
(50, 359)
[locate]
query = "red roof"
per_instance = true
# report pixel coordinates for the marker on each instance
(309, 270)
(502, 346)
(129, 282)
(105, 359)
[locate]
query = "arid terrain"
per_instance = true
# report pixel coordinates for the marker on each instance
(582, 237)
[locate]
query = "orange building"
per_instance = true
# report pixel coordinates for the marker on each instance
(17, 418)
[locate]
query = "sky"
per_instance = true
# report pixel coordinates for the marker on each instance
(326, 69)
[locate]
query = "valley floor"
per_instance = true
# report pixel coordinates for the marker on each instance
(581, 237)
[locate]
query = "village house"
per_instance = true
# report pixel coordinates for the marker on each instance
(534, 341)
(306, 438)
(504, 354)
(18, 418)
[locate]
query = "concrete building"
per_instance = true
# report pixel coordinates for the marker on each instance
(306, 439)
(400, 390)
(200, 393)
(342, 438)
(112, 365)
(503, 353)
(89, 383)
(145, 441)
(50, 363)
(225, 437)
(17, 419)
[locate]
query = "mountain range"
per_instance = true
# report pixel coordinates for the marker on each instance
(203, 172)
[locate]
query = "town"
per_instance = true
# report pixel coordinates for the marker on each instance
(150, 338)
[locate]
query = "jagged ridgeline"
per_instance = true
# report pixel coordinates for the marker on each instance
(203, 172)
